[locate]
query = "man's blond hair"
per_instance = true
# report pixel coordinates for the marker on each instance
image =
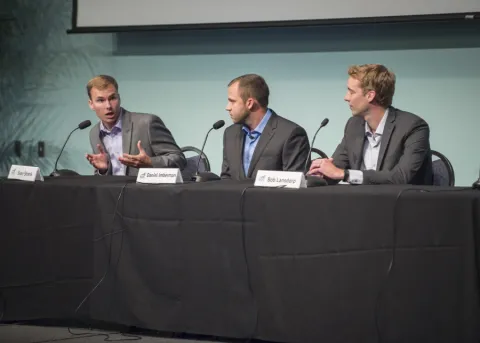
(101, 82)
(378, 78)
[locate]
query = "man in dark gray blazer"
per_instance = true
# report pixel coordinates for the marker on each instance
(381, 144)
(259, 139)
(124, 141)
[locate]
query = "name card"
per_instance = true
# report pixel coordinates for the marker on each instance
(159, 175)
(25, 173)
(280, 179)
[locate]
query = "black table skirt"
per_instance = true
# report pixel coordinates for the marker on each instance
(226, 259)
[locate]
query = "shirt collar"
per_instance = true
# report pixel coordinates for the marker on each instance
(261, 126)
(115, 128)
(380, 128)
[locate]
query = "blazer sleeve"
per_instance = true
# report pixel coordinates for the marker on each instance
(295, 151)
(340, 156)
(416, 148)
(166, 153)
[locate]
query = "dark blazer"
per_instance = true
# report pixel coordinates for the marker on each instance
(157, 141)
(404, 158)
(283, 145)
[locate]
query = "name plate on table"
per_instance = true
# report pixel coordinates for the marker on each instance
(25, 173)
(159, 175)
(280, 179)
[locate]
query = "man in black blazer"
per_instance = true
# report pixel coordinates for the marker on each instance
(259, 139)
(381, 144)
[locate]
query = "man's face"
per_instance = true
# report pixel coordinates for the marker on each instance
(236, 107)
(106, 104)
(358, 101)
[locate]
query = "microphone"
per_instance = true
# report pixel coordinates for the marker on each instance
(314, 181)
(218, 125)
(324, 123)
(65, 172)
(83, 125)
(207, 176)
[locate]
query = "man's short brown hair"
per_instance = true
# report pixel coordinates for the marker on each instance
(378, 78)
(101, 82)
(252, 86)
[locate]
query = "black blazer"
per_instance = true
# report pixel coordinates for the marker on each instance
(404, 158)
(283, 145)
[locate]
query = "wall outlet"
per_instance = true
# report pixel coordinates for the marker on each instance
(18, 148)
(41, 149)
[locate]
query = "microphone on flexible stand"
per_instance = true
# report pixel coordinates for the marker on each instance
(66, 172)
(312, 180)
(207, 176)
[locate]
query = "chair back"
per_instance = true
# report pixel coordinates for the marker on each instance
(443, 173)
(192, 155)
(318, 153)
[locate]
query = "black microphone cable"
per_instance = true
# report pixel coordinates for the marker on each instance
(245, 256)
(109, 263)
(392, 262)
(85, 334)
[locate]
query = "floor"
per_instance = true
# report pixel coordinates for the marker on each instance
(22, 333)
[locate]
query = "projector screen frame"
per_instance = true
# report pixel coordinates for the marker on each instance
(447, 18)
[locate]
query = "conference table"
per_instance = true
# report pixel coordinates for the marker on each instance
(337, 263)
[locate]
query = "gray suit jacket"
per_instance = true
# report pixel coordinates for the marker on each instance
(404, 158)
(156, 139)
(283, 145)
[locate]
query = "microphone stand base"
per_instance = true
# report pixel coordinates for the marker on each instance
(205, 177)
(64, 172)
(315, 181)
(476, 184)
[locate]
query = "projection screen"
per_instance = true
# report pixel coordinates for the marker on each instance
(118, 15)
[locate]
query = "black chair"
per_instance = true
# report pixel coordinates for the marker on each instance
(443, 174)
(319, 153)
(192, 160)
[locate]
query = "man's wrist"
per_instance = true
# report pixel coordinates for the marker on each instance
(149, 162)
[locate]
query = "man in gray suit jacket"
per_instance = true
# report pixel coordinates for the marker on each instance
(124, 141)
(381, 144)
(259, 139)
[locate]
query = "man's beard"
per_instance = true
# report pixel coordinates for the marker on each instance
(244, 118)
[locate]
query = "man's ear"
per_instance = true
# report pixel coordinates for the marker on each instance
(371, 96)
(250, 103)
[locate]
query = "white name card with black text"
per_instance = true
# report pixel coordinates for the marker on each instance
(280, 179)
(25, 173)
(159, 175)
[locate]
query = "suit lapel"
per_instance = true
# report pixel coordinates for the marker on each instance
(235, 151)
(126, 134)
(263, 141)
(238, 151)
(359, 141)
(387, 134)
